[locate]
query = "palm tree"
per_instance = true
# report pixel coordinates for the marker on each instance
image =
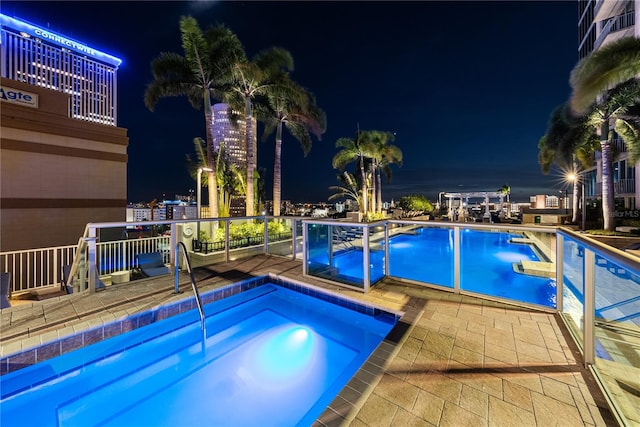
(354, 150)
(602, 70)
(569, 143)
(295, 107)
(348, 189)
(251, 79)
(199, 75)
(604, 90)
(383, 155)
(618, 111)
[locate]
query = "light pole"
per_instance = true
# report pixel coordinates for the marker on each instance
(199, 190)
(574, 178)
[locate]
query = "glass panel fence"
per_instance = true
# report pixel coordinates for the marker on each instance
(280, 236)
(246, 238)
(617, 331)
(513, 264)
(573, 279)
(205, 242)
(299, 243)
(421, 253)
(376, 253)
(335, 253)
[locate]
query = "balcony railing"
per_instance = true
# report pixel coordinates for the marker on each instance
(613, 25)
(624, 186)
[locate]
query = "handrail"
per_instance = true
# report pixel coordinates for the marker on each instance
(193, 283)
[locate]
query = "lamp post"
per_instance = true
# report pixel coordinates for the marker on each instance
(574, 178)
(199, 190)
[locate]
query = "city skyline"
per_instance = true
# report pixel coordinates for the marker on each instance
(466, 86)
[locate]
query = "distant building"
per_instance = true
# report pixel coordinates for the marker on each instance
(231, 134)
(600, 22)
(63, 161)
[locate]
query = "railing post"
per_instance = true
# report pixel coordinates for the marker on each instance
(176, 270)
(456, 259)
(305, 246)
(386, 248)
(559, 271)
(266, 235)
(294, 237)
(588, 316)
(174, 257)
(365, 258)
(226, 240)
(93, 272)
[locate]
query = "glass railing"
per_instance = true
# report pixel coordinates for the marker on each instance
(421, 253)
(334, 251)
(601, 306)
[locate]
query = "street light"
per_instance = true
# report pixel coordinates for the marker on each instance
(573, 177)
(199, 190)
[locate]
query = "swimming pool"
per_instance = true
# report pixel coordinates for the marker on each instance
(271, 356)
(488, 263)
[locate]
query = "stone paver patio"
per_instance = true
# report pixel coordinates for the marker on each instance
(453, 361)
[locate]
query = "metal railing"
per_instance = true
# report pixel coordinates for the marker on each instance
(192, 279)
(617, 23)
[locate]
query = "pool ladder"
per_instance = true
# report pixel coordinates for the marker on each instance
(193, 283)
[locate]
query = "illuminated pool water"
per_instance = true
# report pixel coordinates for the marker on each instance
(271, 356)
(488, 263)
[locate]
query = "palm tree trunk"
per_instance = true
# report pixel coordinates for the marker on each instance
(607, 180)
(373, 189)
(250, 160)
(576, 192)
(365, 192)
(379, 179)
(277, 171)
(212, 182)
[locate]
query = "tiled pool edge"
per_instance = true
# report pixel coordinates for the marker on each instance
(44, 351)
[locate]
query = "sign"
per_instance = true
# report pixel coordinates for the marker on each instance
(17, 96)
(65, 42)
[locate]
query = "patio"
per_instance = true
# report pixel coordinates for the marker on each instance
(460, 361)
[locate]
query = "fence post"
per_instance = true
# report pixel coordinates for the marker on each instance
(305, 245)
(226, 240)
(294, 237)
(588, 316)
(456, 259)
(266, 235)
(559, 271)
(365, 258)
(93, 272)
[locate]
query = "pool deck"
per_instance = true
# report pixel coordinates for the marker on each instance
(453, 361)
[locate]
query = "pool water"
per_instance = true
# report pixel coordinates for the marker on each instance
(271, 356)
(426, 255)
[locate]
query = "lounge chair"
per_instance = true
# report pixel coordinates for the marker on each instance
(152, 264)
(5, 290)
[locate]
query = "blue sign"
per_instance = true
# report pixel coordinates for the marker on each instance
(62, 41)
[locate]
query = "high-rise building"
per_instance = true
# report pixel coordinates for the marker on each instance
(63, 160)
(230, 133)
(600, 22)
(40, 57)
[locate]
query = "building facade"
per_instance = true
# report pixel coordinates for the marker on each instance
(63, 160)
(600, 22)
(231, 134)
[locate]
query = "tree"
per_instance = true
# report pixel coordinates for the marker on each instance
(354, 150)
(606, 93)
(612, 113)
(251, 79)
(199, 75)
(570, 144)
(349, 188)
(602, 70)
(415, 202)
(382, 155)
(294, 107)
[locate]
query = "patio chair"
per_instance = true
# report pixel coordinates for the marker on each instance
(5, 290)
(152, 264)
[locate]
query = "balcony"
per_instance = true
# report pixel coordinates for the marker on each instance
(624, 186)
(614, 25)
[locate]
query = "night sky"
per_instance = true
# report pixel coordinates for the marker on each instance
(467, 87)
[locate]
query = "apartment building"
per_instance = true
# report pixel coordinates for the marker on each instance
(601, 22)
